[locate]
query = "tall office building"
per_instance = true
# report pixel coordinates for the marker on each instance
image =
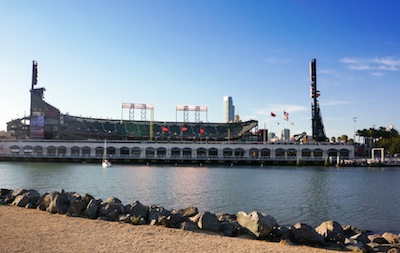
(229, 109)
(285, 134)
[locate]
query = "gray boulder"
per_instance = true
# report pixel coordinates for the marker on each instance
(332, 231)
(9, 198)
(353, 245)
(76, 208)
(55, 202)
(27, 197)
(190, 226)
(20, 200)
(257, 224)
(137, 209)
(91, 209)
(188, 211)
(376, 238)
(112, 208)
(391, 238)
(156, 213)
(305, 234)
(209, 221)
(361, 237)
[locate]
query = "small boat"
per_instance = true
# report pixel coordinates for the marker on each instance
(105, 163)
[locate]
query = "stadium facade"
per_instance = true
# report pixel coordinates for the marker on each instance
(49, 135)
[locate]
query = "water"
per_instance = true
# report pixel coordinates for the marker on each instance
(367, 198)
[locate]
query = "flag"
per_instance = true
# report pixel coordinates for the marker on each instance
(273, 114)
(165, 129)
(286, 115)
(184, 128)
(202, 130)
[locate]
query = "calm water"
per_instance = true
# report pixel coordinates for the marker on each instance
(365, 197)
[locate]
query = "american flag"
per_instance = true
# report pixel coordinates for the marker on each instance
(286, 115)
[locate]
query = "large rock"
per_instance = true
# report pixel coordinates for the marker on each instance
(91, 210)
(392, 238)
(157, 212)
(353, 245)
(20, 200)
(332, 231)
(257, 224)
(112, 208)
(9, 198)
(305, 234)
(188, 211)
(138, 210)
(55, 202)
(377, 238)
(209, 221)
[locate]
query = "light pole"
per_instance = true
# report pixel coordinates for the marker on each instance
(354, 128)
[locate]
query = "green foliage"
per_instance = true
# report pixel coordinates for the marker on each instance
(388, 139)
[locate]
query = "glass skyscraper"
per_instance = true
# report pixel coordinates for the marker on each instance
(229, 109)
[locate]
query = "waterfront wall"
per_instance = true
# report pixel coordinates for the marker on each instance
(223, 152)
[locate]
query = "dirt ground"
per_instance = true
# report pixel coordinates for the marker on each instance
(27, 230)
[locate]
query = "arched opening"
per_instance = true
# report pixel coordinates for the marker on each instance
(150, 152)
(75, 151)
(201, 153)
(124, 151)
(292, 153)
(213, 152)
(187, 152)
(51, 151)
(28, 150)
(265, 153)
(344, 153)
(14, 150)
(332, 152)
(254, 153)
(99, 151)
(38, 150)
(227, 152)
(62, 151)
(239, 152)
(175, 152)
(306, 153)
(280, 153)
(86, 151)
(136, 152)
(318, 153)
(161, 152)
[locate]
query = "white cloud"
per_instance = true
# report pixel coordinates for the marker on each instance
(279, 109)
(375, 64)
(335, 102)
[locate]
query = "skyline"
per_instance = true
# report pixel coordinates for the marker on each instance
(94, 56)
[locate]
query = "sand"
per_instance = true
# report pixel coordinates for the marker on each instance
(30, 230)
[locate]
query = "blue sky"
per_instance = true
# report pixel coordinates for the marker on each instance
(95, 55)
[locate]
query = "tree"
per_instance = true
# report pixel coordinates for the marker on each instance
(345, 138)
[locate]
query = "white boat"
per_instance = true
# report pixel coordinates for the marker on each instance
(105, 163)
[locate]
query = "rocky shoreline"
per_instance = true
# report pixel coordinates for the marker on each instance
(329, 234)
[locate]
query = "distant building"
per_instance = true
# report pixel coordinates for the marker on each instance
(229, 110)
(271, 135)
(285, 134)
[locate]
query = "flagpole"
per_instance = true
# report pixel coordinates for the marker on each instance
(264, 133)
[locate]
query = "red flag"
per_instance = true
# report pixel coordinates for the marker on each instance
(273, 114)
(202, 130)
(184, 128)
(165, 129)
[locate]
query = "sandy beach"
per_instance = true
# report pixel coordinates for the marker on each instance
(31, 230)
